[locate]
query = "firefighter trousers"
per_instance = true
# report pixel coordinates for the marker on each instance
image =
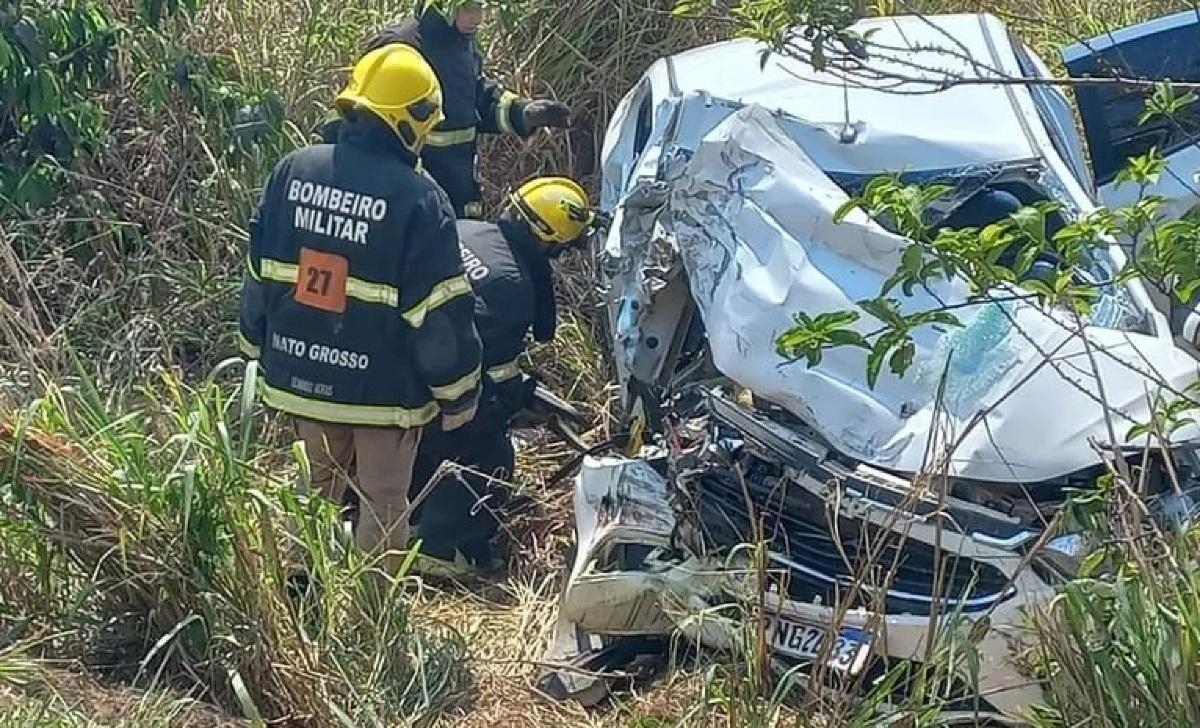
(462, 512)
(379, 461)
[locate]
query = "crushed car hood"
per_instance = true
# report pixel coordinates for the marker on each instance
(750, 216)
(911, 58)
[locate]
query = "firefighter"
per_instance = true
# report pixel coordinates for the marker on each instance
(473, 104)
(355, 300)
(508, 264)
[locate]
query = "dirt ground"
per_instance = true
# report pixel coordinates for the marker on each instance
(506, 627)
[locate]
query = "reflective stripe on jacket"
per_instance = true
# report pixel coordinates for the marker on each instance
(514, 292)
(354, 297)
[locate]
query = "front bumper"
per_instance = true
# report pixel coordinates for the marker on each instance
(657, 556)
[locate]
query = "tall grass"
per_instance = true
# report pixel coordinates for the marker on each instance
(142, 509)
(150, 531)
(1120, 644)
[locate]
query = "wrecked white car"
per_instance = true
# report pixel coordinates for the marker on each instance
(886, 509)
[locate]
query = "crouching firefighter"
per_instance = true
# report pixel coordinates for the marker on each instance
(355, 300)
(508, 264)
(444, 32)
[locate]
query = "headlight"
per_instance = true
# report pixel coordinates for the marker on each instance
(1174, 510)
(1064, 553)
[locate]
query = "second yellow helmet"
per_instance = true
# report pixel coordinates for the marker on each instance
(396, 84)
(555, 207)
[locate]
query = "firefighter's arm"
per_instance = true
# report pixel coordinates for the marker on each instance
(501, 364)
(252, 308)
(500, 111)
(437, 303)
(504, 112)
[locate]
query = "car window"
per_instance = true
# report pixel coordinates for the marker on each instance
(625, 142)
(1166, 48)
(645, 124)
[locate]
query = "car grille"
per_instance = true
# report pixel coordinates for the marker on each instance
(795, 525)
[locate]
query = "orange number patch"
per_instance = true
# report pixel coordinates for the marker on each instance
(322, 282)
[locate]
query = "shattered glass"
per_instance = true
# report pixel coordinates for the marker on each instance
(971, 359)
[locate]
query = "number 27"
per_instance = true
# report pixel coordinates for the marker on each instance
(318, 281)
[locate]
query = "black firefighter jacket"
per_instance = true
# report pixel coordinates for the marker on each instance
(355, 299)
(514, 292)
(472, 104)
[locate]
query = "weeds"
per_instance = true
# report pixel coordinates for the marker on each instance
(1119, 643)
(152, 519)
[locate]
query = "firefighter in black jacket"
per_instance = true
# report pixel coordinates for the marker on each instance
(355, 300)
(508, 265)
(473, 104)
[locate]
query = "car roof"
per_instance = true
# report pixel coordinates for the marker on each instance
(906, 117)
(1105, 41)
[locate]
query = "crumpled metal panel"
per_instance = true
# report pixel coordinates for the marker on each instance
(752, 215)
(622, 502)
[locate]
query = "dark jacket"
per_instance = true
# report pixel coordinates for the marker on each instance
(354, 298)
(514, 293)
(472, 104)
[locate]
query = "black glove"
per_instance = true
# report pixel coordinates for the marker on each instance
(547, 113)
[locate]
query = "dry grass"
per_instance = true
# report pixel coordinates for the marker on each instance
(152, 548)
(588, 55)
(506, 626)
(66, 699)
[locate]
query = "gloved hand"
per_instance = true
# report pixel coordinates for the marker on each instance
(528, 392)
(547, 113)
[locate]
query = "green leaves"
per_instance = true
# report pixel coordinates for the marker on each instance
(690, 8)
(1163, 102)
(53, 56)
(895, 344)
(824, 26)
(1168, 417)
(811, 336)
(879, 351)
(1144, 171)
(1016, 253)
(28, 37)
(897, 206)
(1167, 254)
(154, 11)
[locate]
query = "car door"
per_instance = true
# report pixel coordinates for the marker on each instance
(1166, 47)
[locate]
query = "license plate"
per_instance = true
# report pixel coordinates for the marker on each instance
(803, 642)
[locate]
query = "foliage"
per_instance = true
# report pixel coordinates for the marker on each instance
(1118, 644)
(1013, 258)
(148, 527)
(58, 60)
(132, 262)
(824, 25)
(53, 58)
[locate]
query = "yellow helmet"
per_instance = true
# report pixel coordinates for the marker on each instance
(555, 207)
(398, 85)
